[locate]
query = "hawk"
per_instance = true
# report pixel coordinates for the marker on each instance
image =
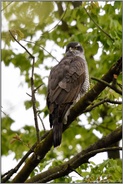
(68, 81)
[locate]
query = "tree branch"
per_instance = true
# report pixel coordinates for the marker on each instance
(21, 45)
(80, 158)
(42, 49)
(6, 6)
(32, 88)
(61, 11)
(41, 122)
(98, 25)
(62, 15)
(89, 108)
(110, 86)
(44, 146)
(34, 106)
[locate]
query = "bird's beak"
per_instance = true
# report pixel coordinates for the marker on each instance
(71, 49)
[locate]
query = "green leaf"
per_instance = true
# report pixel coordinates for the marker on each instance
(28, 104)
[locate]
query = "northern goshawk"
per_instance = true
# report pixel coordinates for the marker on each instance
(68, 81)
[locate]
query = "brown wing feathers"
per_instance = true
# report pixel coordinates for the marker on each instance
(65, 83)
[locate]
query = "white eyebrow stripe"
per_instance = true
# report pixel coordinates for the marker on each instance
(78, 45)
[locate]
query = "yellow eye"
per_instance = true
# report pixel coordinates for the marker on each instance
(77, 48)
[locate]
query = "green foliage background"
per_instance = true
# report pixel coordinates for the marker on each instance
(99, 29)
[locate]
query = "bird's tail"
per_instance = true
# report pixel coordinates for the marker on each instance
(57, 133)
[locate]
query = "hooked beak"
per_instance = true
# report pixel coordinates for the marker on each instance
(71, 49)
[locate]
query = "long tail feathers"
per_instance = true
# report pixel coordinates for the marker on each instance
(57, 133)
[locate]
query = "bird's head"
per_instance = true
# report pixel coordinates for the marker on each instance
(74, 48)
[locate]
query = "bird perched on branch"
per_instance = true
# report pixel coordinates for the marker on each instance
(68, 81)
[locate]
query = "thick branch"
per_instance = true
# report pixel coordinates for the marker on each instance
(44, 146)
(80, 158)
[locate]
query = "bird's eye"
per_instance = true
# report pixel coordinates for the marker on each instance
(78, 48)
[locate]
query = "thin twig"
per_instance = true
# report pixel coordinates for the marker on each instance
(98, 25)
(32, 88)
(42, 49)
(4, 113)
(38, 87)
(107, 84)
(63, 15)
(29, 95)
(6, 6)
(120, 85)
(41, 122)
(113, 101)
(76, 172)
(34, 105)
(21, 45)
(88, 109)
